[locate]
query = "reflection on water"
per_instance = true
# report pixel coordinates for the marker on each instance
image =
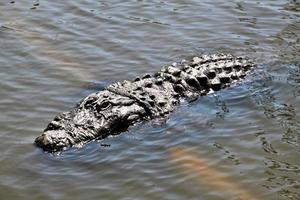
(208, 176)
(246, 138)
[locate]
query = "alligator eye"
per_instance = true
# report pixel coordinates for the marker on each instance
(105, 105)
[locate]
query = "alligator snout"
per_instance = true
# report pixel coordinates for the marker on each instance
(54, 140)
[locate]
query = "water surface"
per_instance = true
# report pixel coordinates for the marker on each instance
(53, 53)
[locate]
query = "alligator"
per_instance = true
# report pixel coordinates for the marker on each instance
(122, 104)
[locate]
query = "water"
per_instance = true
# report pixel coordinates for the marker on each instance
(243, 142)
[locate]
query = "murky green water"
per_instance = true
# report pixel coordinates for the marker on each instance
(243, 142)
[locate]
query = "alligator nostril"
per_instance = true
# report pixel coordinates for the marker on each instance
(54, 141)
(40, 140)
(44, 141)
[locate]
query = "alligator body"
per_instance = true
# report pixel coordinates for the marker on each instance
(123, 104)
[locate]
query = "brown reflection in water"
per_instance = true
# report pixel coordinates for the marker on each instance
(48, 48)
(208, 176)
(41, 45)
(64, 61)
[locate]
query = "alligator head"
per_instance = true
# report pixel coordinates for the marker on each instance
(95, 117)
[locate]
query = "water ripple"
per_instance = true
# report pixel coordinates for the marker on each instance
(54, 53)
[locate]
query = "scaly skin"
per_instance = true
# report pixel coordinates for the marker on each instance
(120, 105)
